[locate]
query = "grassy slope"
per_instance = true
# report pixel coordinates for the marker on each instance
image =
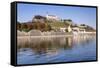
(58, 24)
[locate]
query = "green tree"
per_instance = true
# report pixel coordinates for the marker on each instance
(24, 27)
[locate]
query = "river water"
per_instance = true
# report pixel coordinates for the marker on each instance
(37, 50)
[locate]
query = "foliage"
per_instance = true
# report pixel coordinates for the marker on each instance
(18, 26)
(90, 29)
(66, 30)
(43, 24)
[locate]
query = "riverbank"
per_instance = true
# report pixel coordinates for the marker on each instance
(44, 36)
(51, 36)
(35, 33)
(39, 33)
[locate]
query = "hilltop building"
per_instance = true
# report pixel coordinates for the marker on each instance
(52, 17)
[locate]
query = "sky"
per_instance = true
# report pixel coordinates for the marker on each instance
(79, 15)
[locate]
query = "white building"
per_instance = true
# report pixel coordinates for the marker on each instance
(69, 29)
(63, 29)
(52, 17)
(77, 30)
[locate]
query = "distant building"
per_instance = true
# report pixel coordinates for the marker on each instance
(69, 28)
(63, 29)
(78, 29)
(82, 28)
(75, 29)
(52, 17)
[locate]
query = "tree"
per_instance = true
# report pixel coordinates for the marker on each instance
(42, 26)
(82, 25)
(29, 26)
(24, 26)
(18, 25)
(39, 18)
(69, 20)
(49, 28)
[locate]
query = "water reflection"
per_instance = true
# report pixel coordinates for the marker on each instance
(52, 47)
(45, 44)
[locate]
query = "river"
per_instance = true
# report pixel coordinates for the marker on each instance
(37, 50)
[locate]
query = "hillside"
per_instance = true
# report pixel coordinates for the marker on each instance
(41, 23)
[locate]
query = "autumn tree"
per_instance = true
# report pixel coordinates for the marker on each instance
(18, 25)
(30, 26)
